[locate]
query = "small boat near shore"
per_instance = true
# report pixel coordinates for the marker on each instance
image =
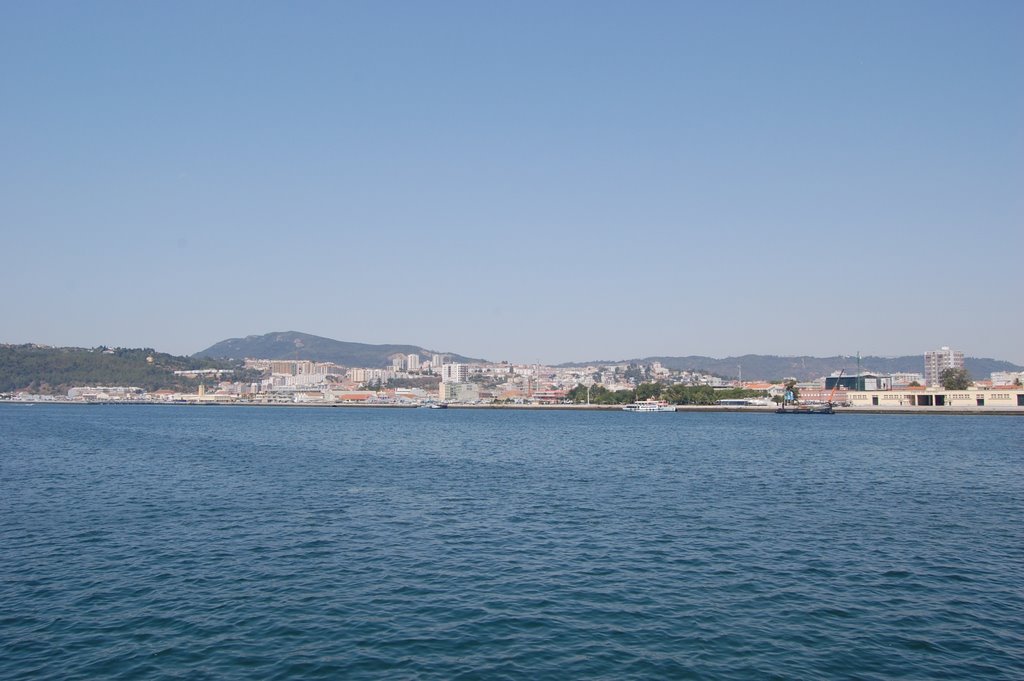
(649, 406)
(807, 408)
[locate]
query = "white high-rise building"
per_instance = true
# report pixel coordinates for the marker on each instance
(937, 361)
(454, 373)
(412, 362)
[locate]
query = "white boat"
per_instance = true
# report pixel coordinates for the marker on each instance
(649, 406)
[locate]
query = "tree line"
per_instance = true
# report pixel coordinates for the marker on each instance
(673, 394)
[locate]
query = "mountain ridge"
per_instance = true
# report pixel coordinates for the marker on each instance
(286, 345)
(297, 345)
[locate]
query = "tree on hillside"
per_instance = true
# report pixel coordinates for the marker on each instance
(954, 379)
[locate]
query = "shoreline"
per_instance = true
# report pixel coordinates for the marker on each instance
(680, 409)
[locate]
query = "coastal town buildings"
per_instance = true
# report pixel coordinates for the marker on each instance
(410, 379)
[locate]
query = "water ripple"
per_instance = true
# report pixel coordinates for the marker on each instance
(282, 544)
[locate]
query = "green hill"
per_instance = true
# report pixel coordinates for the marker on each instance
(47, 370)
(295, 345)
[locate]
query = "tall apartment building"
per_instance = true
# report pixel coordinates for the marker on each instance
(412, 362)
(282, 368)
(299, 368)
(307, 368)
(937, 361)
(454, 373)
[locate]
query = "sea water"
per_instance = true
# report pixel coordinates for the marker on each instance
(275, 543)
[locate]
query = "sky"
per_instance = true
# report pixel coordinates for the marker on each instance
(522, 181)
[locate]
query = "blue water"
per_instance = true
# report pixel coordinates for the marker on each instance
(233, 542)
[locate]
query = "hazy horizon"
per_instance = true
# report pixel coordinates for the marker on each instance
(586, 360)
(520, 182)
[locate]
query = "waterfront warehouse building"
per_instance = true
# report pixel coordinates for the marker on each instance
(938, 400)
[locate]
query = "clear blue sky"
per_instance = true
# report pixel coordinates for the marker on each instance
(516, 180)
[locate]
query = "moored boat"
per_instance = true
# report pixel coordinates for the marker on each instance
(648, 406)
(807, 408)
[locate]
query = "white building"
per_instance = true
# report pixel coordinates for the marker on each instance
(459, 392)
(412, 362)
(937, 361)
(305, 379)
(367, 375)
(454, 373)
(100, 392)
(972, 399)
(1006, 377)
(902, 379)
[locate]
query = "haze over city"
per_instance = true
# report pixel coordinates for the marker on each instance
(516, 181)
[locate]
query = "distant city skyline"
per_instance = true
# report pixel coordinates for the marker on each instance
(528, 182)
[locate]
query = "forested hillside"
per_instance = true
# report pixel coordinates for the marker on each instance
(47, 370)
